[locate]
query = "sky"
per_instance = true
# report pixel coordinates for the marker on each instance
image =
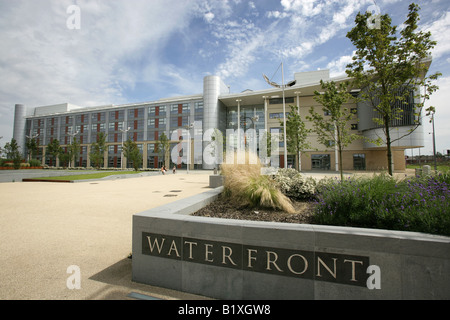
(130, 51)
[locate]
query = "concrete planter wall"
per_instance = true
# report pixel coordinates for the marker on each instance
(231, 259)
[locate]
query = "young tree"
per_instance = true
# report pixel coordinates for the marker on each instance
(64, 158)
(334, 127)
(132, 153)
(54, 149)
(74, 151)
(390, 67)
(296, 135)
(13, 153)
(163, 146)
(97, 151)
(32, 147)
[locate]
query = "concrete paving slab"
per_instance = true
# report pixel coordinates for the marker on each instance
(47, 227)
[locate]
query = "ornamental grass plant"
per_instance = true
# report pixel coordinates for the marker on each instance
(245, 185)
(419, 204)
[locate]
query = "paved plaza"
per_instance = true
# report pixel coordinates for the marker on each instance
(47, 227)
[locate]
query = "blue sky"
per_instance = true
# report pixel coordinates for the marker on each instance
(144, 50)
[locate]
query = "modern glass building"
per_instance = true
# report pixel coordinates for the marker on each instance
(214, 109)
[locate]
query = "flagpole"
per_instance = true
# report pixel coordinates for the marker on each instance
(284, 117)
(283, 86)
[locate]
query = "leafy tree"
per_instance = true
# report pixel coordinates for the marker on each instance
(74, 151)
(13, 153)
(32, 147)
(98, 150)
(163, 146)
(334, 127)
(296, 134)
(389, 67)
(54, 149)
(132, 153)
(64, 158)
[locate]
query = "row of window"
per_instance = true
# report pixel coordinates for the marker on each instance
(135, 113)
(279, 115)
(318, 161)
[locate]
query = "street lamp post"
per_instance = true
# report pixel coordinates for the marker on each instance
(282, 86)
(430, 112)
(239, 124)
(72, 135)
(188, 160)
(298, 110)
(434, 143)
(121, 151)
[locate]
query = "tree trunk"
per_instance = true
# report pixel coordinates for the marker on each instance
(340, 163)
(388, 146)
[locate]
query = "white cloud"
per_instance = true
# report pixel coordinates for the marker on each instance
(209, 17)
(440, 101)
(42, 62)
(337, 67)
(242, 53)
(308, 8)
(440, 30)
(307, 31)
(81, 64)
(276, 14)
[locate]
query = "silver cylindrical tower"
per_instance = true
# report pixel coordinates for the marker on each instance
(212, 88)
(19, 126)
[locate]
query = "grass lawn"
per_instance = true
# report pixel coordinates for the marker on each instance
(97, 175)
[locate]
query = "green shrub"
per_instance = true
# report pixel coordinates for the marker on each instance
(35, 163)
(295, 185)
(418, 204)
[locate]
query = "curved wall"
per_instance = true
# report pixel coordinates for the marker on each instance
(413, 140)
(19, 126)
(212, 88)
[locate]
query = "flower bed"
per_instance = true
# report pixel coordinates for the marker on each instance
(419, 204)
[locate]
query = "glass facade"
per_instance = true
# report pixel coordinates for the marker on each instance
(144, 124)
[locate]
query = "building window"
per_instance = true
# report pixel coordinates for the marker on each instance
(116, 115)
(136, 113)
(280, 100)
(359, 161)
(174, 109)
(320, 161)
(278, 115)
(198, 106)
(98, 117)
